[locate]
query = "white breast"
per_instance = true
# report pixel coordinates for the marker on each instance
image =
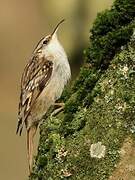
(61, 69)
(60, 75)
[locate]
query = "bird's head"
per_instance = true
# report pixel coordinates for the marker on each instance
(50, 43)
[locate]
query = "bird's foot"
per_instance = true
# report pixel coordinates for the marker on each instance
(56, 111)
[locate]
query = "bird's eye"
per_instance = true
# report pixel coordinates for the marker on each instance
(45, 41)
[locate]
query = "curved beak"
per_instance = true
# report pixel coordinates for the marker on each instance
(57, 27)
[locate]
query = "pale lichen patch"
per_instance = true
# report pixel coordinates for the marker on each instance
(97, 150)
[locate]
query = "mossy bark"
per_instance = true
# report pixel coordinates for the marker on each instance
(99, 108)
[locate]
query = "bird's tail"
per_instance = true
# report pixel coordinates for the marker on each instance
(30, 146)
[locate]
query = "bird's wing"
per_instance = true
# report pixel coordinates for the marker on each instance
(36, 76)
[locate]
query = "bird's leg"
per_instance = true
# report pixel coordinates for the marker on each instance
(56, 111)
(30, 145)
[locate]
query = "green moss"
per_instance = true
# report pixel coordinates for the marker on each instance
(119, 15)
(111, 30)
(103, 48)
(100, 106)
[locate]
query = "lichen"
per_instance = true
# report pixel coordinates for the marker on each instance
(97, 150)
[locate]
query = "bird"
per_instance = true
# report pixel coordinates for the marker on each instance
(42, 83)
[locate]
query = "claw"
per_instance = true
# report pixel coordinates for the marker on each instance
(56, 111)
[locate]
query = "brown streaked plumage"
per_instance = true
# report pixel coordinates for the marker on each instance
(42, 83)
(34, 79)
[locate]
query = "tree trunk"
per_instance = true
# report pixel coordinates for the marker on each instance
(93, 138)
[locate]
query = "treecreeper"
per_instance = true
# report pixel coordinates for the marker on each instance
(42, 83)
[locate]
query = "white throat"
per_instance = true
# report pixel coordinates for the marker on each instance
(55, 52)
(54, 49)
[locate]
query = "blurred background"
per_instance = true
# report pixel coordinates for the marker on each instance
(22, 24)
